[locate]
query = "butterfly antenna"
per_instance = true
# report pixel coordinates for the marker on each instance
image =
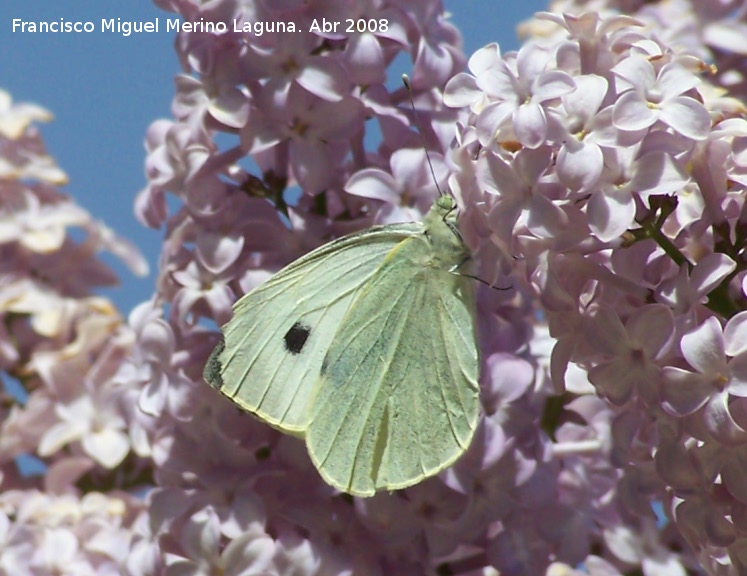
(406, 82)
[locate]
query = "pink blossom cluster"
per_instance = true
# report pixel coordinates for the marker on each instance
(62, 346)
(576, 163)
(608, 162)
(257, 117)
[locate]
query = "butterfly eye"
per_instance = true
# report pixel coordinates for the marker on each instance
(296, 337)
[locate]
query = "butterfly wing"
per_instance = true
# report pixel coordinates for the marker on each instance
(397, 399)
(273, 347)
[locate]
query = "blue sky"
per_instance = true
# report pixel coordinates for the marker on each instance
(105, 89)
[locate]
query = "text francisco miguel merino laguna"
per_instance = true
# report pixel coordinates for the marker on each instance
(127, 27)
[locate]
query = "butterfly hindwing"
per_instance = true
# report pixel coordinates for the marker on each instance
(397, 399)
(274, 345)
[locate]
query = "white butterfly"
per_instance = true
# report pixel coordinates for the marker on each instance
(366, 348)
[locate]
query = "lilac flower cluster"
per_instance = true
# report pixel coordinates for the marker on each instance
(232, 494)
(62, 346)
(608, 163)
(601, 177)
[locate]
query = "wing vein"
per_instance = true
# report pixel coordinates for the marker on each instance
(382, 374)
(450, 363)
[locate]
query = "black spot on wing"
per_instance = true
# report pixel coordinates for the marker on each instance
(296, 337)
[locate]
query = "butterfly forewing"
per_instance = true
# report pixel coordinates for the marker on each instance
(274, 345)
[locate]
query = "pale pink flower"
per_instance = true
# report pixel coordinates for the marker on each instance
(16, 118)
(580, 127)
(628, 176)
(199, 293)
(518, 87)
(314, 130)
(719, 369)
(521, 201)
(429, 511)
(36, 226)
(58, 552)
(506, 379)
(629, 352)
(691, 286)
(289, 61)
(705, 349)
(366, 54)
(16, 547)
(250, 553)
(150, 367)
(407, 188)
(642, 545)
(198, 104)
(658, 95)
(175, 155)
(438, 55)
(25, 158)
(98, 426)
(486, 80)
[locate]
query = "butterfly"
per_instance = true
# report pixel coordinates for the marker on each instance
(366, 348)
